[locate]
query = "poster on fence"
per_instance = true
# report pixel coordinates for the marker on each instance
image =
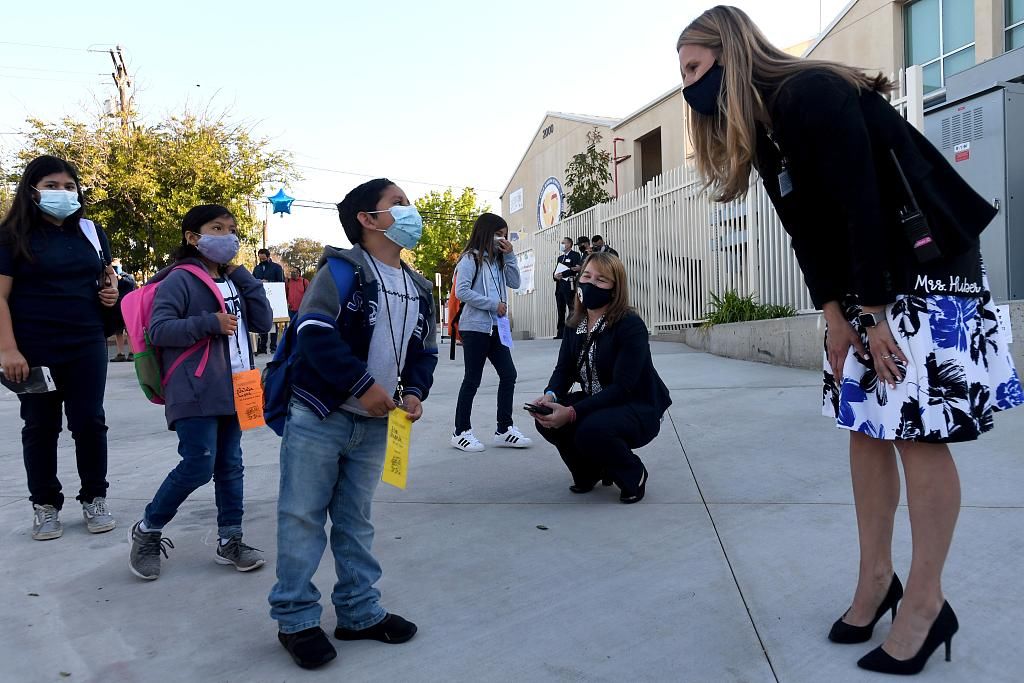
(526, 268)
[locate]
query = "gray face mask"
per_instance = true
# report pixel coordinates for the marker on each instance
(220, 249)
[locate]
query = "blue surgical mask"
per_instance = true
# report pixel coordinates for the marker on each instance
(220, 249)
(407, 229)
(703, 94)
(58, 203)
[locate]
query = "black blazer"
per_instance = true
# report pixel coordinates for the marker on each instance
(624, 368)
(842, 214)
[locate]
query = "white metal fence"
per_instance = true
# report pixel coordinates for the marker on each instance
(679, 246)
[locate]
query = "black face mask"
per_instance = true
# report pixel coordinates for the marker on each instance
(594, 297)
(702, 94)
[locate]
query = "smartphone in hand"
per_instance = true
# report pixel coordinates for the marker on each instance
(538, 410)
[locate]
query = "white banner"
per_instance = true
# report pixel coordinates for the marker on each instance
(526, 269)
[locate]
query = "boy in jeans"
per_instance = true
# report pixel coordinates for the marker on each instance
(365, 343)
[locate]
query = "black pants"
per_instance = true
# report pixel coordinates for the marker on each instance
(261, 346)
(601, 444)
(563, 301)
(81, 381)
(477, 348)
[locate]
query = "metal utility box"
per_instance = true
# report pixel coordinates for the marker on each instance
(981, 134)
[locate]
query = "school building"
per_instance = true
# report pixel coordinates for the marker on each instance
(961, 76)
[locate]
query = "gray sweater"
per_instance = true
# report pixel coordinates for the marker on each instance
(184, 312)
(482, 297)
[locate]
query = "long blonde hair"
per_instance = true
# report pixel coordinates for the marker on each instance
(610, 266)
(725, 144)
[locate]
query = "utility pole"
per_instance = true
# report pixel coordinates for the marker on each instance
(123, 82)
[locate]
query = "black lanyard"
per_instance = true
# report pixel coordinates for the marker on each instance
(501, 276)
(391, 329)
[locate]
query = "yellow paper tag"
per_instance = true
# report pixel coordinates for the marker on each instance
(248, 390)
(396, 459)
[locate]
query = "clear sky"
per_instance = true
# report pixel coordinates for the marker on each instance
(423, 92)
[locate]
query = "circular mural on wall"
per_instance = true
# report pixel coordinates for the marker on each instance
(550, 203)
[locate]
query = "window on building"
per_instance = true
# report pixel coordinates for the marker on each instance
(1014, 24)
(649, 156)
(940, 37)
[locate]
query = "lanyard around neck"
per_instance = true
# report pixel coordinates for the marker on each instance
(391, 329)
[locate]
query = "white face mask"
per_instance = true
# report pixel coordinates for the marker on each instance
(562, 249)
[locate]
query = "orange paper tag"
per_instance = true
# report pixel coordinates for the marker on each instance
(248, 390)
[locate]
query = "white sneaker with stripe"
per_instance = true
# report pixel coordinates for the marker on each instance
(513, 438)
(467, 441)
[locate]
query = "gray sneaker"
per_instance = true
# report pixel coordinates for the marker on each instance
(244, 557)
(144, 560)
(97, 517)
(46, 523)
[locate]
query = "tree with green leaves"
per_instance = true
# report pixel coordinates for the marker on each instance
(587, 175)
(447, 225)
(301, 253)
(139, 180)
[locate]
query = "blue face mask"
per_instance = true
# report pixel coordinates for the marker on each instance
(220, 249)
(407, 229)
(58, 203)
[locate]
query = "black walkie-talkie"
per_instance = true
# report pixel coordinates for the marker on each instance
(915, 225)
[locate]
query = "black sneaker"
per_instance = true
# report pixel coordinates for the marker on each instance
(393, 629)
(309, 648)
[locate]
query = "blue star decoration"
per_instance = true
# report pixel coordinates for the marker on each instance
(281, 202)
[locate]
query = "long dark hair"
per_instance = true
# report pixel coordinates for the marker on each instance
(25, 214)
(482, 240)
(194, 220)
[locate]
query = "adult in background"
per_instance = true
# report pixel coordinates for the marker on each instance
(597, 246)
(267, 271)
(607, 352)
(125, 284)
(567, 268)
(907, 368)
(483, 276)
(295, 288)
(54, 287)
(583, 244)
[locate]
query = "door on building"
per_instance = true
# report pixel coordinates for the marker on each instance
(649, 156)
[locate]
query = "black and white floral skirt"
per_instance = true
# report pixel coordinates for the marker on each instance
(959, 373)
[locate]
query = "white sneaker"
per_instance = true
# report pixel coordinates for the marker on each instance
(466, 441)
(513, 438)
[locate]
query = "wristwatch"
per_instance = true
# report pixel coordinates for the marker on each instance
(871, 319)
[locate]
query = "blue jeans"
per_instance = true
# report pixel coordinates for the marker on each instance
(210, 447)
(327, 467)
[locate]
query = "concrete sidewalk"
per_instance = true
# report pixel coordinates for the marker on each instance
(732, 568)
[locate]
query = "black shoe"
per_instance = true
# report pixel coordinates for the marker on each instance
(942, 631)
(846, 634)
(393, 629)
(582, 488)
(309, 648)
(637, 495)
(607, 481)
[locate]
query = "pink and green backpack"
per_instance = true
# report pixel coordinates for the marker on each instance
(137, 309)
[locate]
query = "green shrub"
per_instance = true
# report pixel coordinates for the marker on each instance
(733, 308)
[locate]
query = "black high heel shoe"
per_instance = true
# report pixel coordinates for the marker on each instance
(848, 635)
(942, 631)
(637, 495)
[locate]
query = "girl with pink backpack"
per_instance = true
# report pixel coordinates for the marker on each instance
(201, 315)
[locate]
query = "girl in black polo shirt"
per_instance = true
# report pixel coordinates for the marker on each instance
(54, 284)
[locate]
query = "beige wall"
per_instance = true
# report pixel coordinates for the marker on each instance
(871, 35)
(545, 158)
(666, 114)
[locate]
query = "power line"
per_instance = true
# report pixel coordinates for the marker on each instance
(401, 180)
(45, 47)
(56, 71)
(55, 80)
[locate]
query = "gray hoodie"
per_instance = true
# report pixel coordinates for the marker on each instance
(490, 288)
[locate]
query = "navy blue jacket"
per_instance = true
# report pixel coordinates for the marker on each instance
(334, 330)
(184, 312)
